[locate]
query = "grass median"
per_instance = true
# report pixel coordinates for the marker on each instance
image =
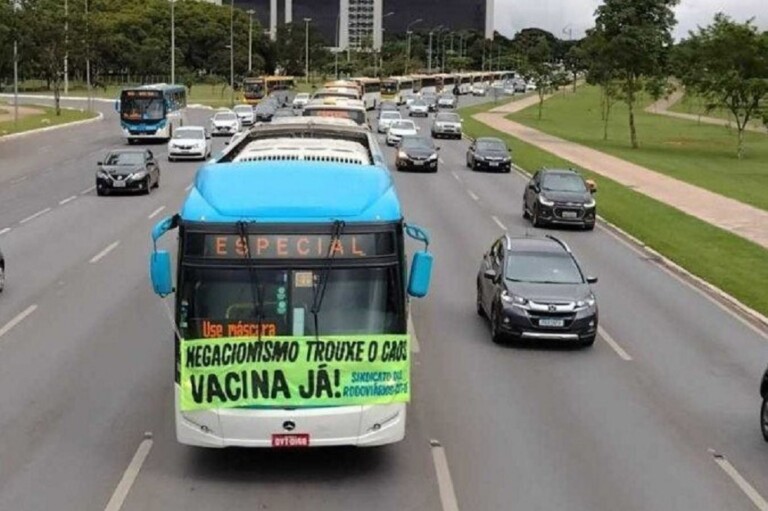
(701, 154)
(42, 117)
(727, 261)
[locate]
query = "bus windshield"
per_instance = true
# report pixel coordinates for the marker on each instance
(254, 88)
(389, 87)
(144, 107)
(223, 302)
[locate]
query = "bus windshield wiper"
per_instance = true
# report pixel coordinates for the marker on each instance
(317, 299)
(256, 290)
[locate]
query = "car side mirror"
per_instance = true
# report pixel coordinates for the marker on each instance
(99, 163)
(421, 274)
(533, 186)
(490, 275)
(591, 280)
(160, 272)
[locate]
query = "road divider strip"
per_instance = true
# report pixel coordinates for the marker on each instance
(19, 180)
(17, 319)
(749, 490)
(473, 195)
(32, 217)
(131, 473)
(88, 190)
(68, 199)
(456, 175)
(498, 222)
(156, 212)
(613, 344)
(98, 257)
(188, 188)
(444, 481)
(7, 229)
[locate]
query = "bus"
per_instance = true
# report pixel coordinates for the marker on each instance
(290, 305)
(428, 83)
(257, 88)
(465, 81)
(371, 90)
(151, 111)
(342, 108)
(396, 88)
(444, 82)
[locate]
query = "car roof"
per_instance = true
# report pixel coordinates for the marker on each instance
(560, 171)
(548, 244)
(126, 150)
(489, 139)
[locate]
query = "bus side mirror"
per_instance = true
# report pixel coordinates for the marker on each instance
(421, 274)
(160, 272)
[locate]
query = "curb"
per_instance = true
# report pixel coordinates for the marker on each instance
(702, 285)
(5, 95)
(3, 138)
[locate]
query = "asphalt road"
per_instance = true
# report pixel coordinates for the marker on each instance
(86, 364)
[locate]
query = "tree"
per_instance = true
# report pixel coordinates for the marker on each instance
(600, 72)
(540, 69)
(726, 63)
(636, 38)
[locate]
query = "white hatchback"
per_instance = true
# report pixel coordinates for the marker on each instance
(386, 118)
(400, 129)
(245, 114)
(300, 100)
(189, 142)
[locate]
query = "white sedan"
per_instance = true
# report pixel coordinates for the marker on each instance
(225, 122)
(300, 100)
(386, 118)
(418, 107)
(399, 129)
(189, 142)
(245, 114)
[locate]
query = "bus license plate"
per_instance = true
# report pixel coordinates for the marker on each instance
(552, 322)
(290, 440)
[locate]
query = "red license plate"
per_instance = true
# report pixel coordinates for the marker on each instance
(291, 440)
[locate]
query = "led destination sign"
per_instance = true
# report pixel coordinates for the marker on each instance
(290, 246)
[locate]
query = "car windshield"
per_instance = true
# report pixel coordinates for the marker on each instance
(419, 102)
(390, 115)
(557, 182)
(417, 143)
(404, 125)
(302, 95)
(443, 117)
(188, 133)
(132, 158)
(542, 268)
(225, 116)
(491, 145)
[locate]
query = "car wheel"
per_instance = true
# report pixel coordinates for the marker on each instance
(764, 419)
(469, 164)
(170, 158)
(157, 183)
(589, 227)
(479, 303)
(525, 211)
(434, 171)
(2, 278)
(101, 192)
(535, 220)
(147, 186)
(496, 336)
(588, 342)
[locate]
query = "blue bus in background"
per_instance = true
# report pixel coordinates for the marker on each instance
(305, 250)
(151, 111)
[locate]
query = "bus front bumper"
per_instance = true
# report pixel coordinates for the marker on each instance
(361, 426)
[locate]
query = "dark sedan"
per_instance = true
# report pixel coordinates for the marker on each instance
(417, 153)
(764, 408)
(534, 289)
(560, 197)
(488, 153)
(264, 111)
(2, 271)
(431, 100)
(127, 170)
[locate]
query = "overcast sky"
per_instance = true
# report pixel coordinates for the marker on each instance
(555, 15)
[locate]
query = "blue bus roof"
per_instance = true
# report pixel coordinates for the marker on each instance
(291, 192)
(157, 86)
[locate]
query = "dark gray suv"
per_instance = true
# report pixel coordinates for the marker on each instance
(534, 289)
(764, 407)
(2, 271)
(560, 197)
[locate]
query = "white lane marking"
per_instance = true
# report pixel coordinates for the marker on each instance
(98, 257)
(188, 188)
(441, 160)
(18, 319)
(88, 190)
(129, 476)
(68, 199)
(7, 229)
(473, 195)
(757, 499)
(19, 180)
(415, 345)
(32, 217)
(458, 178)
(498, 222)
(444, 482)
(613, 344)
(156, 212)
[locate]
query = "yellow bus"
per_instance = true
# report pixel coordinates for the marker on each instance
(395, 88)
(257, 88)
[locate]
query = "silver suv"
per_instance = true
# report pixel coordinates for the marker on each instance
(446, 124)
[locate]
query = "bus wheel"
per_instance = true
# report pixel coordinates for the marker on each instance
(131, 141)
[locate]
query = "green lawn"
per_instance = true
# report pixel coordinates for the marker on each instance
(48, 118)
(703, 155)
(694, 105)
(725, 260)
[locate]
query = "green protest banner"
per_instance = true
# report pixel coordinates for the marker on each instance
(232, 372)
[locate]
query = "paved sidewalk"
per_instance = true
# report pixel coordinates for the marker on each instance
(729, 214)
(662, 106)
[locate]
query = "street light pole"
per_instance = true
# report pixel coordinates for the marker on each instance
(66, 47)
(429, 54)
(408, 43)
(232, 53)
(306, 49)
(15, 83)
(88, 58)
(250, 12)
(173, 41)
